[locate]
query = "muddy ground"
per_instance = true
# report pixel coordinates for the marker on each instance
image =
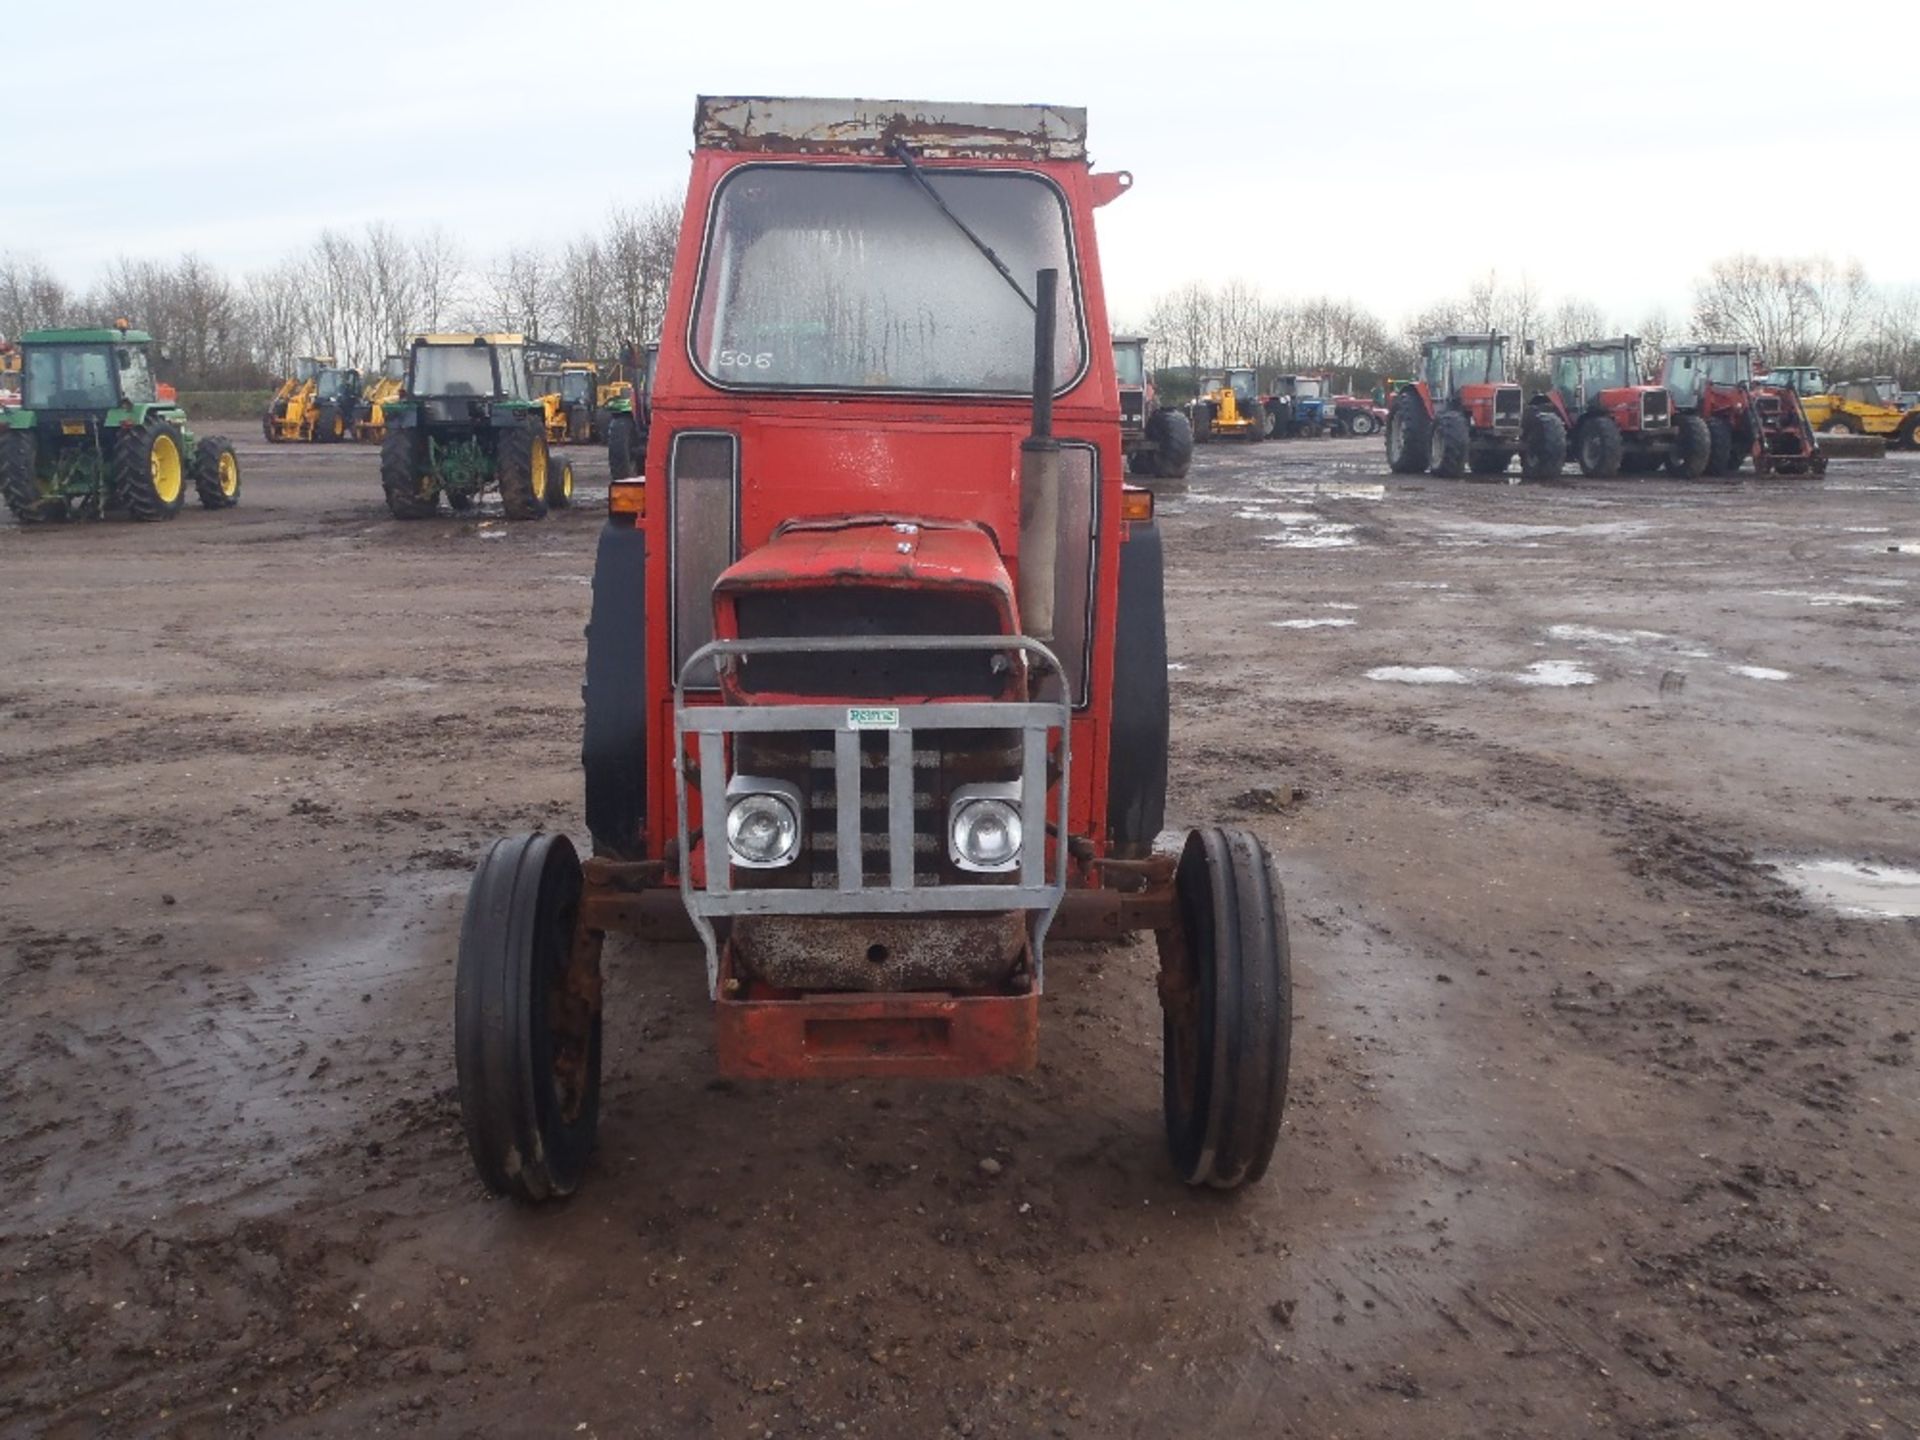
(1599, 1125)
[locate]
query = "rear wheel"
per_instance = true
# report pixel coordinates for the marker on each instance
(526, 1021)
(613, 750)
(150, 471)
(1172, 435)
(1226, 993)
(412, 493)
(216, 473)
(1692, 448)
(19, 457)
(1409, 436)
(1601, 447)
(521, 469)
(1543, 445)
(1719, 447)
(1452, 443)
(623, 448)
(1359, 422)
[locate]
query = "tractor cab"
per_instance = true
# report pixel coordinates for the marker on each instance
(876, 675)
(1804, 380)
(338, 385)
(577, 384)
(1130, 373)
(1687, 371)
(93, 373)
(1454, 363)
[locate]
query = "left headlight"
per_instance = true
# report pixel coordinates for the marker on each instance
(763, 822)
(984, 832)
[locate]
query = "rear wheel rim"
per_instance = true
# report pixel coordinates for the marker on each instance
(163, 466)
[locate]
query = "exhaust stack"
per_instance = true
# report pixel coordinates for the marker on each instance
(1040, 477)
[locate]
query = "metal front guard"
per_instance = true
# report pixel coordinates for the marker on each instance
(1035, 892)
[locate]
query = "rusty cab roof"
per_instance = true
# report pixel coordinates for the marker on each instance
(936, 130)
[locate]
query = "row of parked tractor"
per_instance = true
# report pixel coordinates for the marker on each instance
(1707, 410)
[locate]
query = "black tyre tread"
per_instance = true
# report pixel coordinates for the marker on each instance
(1907, 437)
(623, 460)
(1137, 760)
(1172, 434)
(1600, 447)
(132, 472)
(1409, 419)
(1201, 423)
(326, 417)
(518, 924)
(514, 450)
(1719, 447)
(1692, 448)
(613, 749)
(403, 476)
(18, 459)
(560, 482)
(1543, 445)
(206, 473)
(1452, 444)
(1261, 1037)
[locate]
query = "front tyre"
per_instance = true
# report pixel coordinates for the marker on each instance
(150, 470)
(1452, 444)
(1226, 990)
(1601, 447)
(521, 469)
(216, 473)
(1692, 448)
(526, 1021)
(1543, 445)
(559, 482)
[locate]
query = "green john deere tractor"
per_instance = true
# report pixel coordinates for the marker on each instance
(467, 421)
(94, 433)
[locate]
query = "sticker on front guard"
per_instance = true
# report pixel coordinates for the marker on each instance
(873, 717)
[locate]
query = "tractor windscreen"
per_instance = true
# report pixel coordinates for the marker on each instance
(69, 377)
(332, 385)
(1129, 363)
(448, 370)
(848, 278)
(1245, 388)
(1607, 370)
(1477, 362)
(576, 387)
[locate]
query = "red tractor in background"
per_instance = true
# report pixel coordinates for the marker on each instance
(876, 673)
(1613, 420)
(1158, 439)
(1463, 414)
(1745, 417)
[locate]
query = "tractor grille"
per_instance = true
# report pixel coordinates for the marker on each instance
(1656, 410)
(1506, 406)
(844, 610)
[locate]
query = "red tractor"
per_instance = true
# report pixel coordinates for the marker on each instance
(1745, 416)
(876, 672)
(1463, 414)
(1158, 439)
(1615, 422)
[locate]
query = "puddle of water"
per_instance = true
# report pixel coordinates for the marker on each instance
(1904, 547)
(1318, 622)
(1420, 674)
(1556, 673)
(1284, 517)
(1602, 637)
(1495, 531)
(1866, 529)
(1337, 605)
(1760, 672)
(1825, 598)
(1338, 489)
(1176, 665)
(1328, 535)
(1852, 888)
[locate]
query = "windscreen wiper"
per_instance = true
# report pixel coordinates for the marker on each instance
(905, 156)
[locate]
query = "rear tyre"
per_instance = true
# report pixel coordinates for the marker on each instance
(150, 471)
(526, 1021)
(1719, 448)
(1137, 773)
(1359, 422)
(1409, 436)
(1226, 991)
(1452, 444)
(18, 484)
(521, 468)
(559, 482)
(1543, 445)
(1692, 448)
(411, 491)
(1172, 435)
(613, 749)
(216, 473)
(623, 449)
(1601, 447)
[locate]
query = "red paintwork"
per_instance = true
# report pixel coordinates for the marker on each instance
(901, 1036)
(1476, 400)
(1622, 402)
(915, 457)
(905, 553)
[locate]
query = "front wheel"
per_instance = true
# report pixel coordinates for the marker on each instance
(1359, 422)
(522, 468)
(526, 1021)
(559, 482)
(1601, 447)
(1543, 445)
(1692, 448)
(150, 471)
(1226, 992)
(1452, 444)
(216, 473)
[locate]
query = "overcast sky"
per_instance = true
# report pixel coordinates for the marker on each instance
(1387, 153)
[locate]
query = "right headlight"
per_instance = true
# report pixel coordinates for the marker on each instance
(763, 822)
(984, 831)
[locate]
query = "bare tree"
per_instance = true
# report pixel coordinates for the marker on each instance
(1792, 311)
(438, 279)
(30, 297)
